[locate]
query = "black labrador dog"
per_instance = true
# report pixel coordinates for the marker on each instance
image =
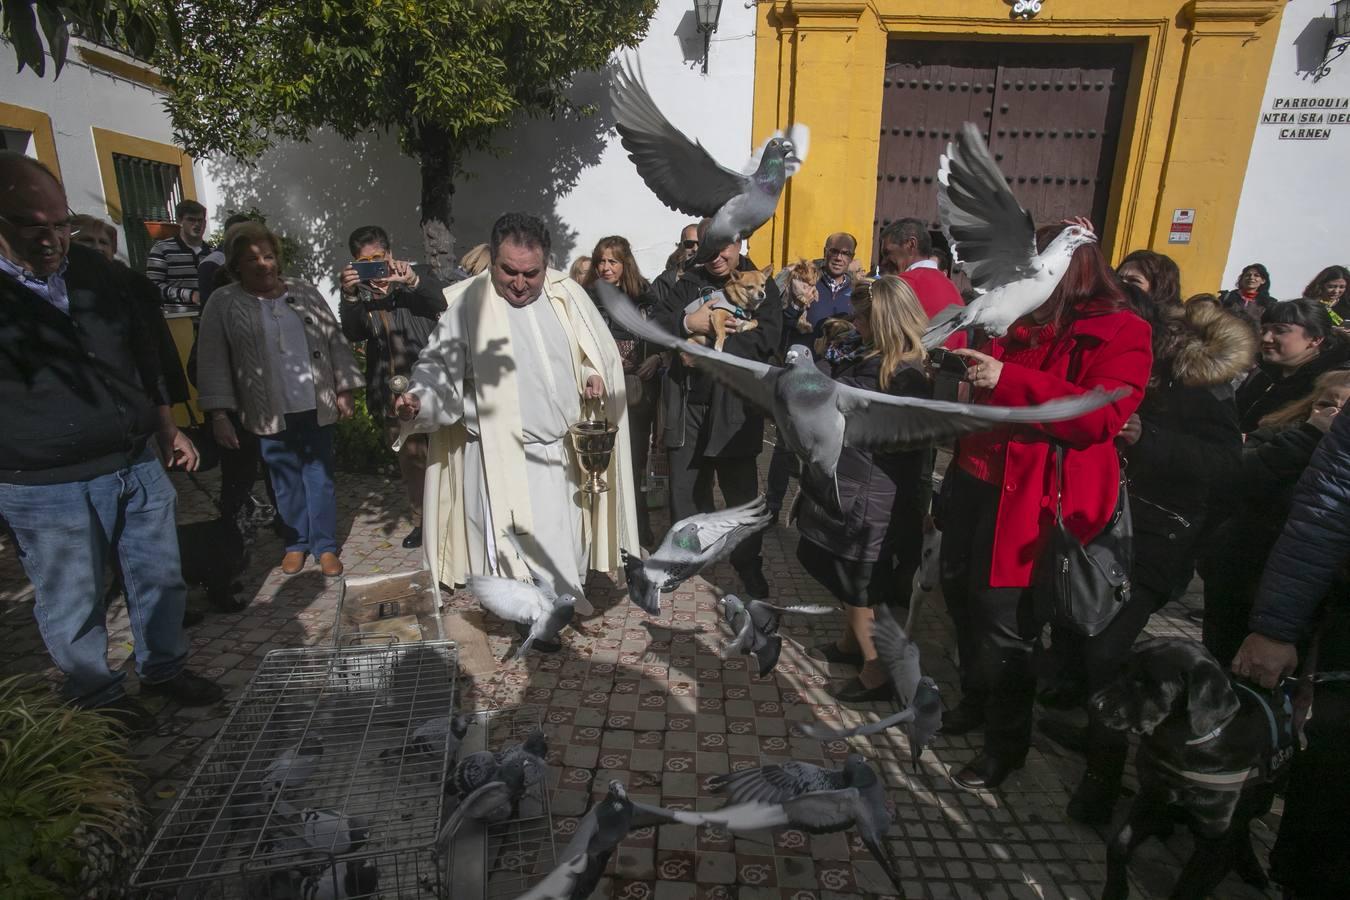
(1209, 748)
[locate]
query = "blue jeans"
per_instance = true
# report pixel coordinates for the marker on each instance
(300, 459)
(66, 535)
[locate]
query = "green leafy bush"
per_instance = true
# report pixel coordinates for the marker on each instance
(359, 443)
(71, 824)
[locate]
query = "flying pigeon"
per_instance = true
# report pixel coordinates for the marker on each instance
(755, 625)
(435, 735)
(820, 801)
(920, 714)
(685, 177)
(691, 545)
(604, 827)
(494, 801)
(293, 767)
(994, 239)
(358, 879)
(529, 604)
(817, 416)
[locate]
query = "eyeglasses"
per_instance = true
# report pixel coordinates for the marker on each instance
(689, 245)
(32, 231)
(835, 251)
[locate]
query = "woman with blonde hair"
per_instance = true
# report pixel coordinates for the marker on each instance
(271, 353)
(871, 542)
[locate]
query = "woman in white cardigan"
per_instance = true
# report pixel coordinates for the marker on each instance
(270, 351)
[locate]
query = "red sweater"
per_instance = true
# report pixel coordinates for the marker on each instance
(936, 292)
(1113, 350)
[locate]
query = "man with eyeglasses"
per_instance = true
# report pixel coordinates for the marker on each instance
(173, 263)
(80, 483)
(685, 249)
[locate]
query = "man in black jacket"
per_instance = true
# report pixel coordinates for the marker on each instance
(393, 316)
(1305, 590)
(80, 482)
(710, 432)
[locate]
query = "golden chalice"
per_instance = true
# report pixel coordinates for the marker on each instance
(594, 445)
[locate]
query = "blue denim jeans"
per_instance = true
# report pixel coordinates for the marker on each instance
(300, 459)
(67, 534)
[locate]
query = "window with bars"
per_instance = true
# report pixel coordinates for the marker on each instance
(149, 192)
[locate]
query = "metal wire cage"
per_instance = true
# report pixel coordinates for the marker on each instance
(319, 784)
(505, 859)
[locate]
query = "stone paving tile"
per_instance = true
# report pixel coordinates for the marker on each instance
(651, 703)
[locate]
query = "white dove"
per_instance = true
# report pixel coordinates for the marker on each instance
(529, 604)
(994, 240)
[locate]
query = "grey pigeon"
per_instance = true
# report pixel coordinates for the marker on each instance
(607, 823)
(327, 830)
(494, 801)
(820, 801)
(994, 240)
(529, 604)
(295, 766)
(817, 416)
(436, 735)
(920, 715)
(691, 545)
(473, 771)
(531, 753)
(685, 177)
(342, 881)
(755, 625)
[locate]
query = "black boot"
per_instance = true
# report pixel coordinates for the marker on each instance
(968, 716)
(987, 771)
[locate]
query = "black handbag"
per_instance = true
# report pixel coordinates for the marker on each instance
(1084, 587)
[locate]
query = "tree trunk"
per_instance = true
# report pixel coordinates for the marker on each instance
(439, 160)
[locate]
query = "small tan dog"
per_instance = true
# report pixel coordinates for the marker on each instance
(802, 279)
(743, 292)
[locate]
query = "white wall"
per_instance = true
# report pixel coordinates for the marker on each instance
(80, 100)
(1291, 215)
(573, 173)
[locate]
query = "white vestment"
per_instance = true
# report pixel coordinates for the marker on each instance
(498, 387)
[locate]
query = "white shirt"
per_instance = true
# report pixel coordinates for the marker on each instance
(284, 333)
(923, 264)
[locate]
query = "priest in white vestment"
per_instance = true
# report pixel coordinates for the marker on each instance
(519, 354)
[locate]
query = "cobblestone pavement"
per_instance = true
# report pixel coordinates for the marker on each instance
(651, 703)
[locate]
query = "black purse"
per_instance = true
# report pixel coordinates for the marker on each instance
(1084, 587)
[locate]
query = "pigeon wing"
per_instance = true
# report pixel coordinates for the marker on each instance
(509, 599)
(710, 536)
(825, 810)
(753, 380)
(822, 733)
(559, 884)
(875, 421)
(898, 652)
(682, 174)
(777, 783)
(809, 609)
(742, 639)
(991, 235)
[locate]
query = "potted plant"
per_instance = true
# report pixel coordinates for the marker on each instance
(71, 823)
(160, 231)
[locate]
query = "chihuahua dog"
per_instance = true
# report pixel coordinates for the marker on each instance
(800, 290)
(743, 293)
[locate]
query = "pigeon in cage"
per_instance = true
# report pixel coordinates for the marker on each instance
(692, 545)
(494, 801)
(755, 625)
(439, 734)
(531, 605)
(920, 715)
(326, 829)
(606, 825)
(815, 800)
(295, 766)
(473, 771)
(357, 879)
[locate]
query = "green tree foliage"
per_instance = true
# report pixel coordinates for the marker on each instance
(140, 27)
(444, 75)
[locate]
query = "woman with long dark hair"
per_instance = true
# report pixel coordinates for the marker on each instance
(1329, 288)
(850, 548)
(1154, 274)
(1298, 343)
(1251, 297)
(612, 262)
(1002, 488)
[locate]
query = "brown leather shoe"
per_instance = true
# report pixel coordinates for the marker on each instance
(330, 565)
(293, 562)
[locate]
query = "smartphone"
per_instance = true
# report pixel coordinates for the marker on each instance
(371, 269)
(946, 361)
(950, 377)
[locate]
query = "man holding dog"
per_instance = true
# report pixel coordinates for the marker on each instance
(80, 481)
(519, 355)
(711, 434)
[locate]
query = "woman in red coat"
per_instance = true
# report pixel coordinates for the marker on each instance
(997, 507)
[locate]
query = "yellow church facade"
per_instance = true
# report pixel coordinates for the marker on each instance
(1140, 114)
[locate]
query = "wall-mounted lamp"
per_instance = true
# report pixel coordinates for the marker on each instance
(1338, 39)
(707, 11)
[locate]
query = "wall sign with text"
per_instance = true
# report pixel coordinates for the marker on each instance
(1183, 223)
(1307, 118)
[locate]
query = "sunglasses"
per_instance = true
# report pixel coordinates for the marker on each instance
(689, 245)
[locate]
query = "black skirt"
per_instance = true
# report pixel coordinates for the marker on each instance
(853, 582)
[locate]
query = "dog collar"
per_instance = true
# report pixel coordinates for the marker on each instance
(1223, 781)
(1206, 738)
